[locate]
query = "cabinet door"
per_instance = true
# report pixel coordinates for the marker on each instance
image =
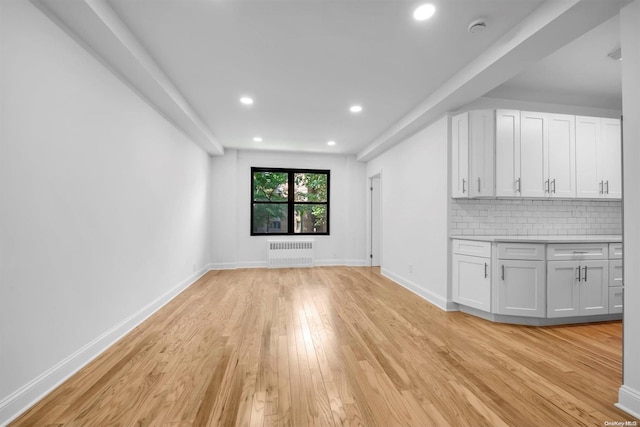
(615, 272)
(481, 153)
(587, 140)
(533, 140)
(616, 294)
(594, 287)
(563, 293)
(472, 281)
(460, 155)
(561, 156)
(507, 153)
(520, 289)
(610, 157)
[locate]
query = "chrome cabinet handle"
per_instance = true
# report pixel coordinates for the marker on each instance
(585, 273)
(580, 252)
(502, 271)
(553, 184)
(463, 182)
(578, 271)
(518, 185)
(607, 187)
(478, 185)
(486, 274)
(601, 188)
(546, 186)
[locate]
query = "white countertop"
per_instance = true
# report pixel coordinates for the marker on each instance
(593, 238)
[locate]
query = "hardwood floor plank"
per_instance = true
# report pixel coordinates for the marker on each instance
(336, 346)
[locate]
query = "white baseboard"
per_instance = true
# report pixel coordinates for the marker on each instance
(263, 264)
(25, 397)
(340, 262)
(629, 401)
(434, 299)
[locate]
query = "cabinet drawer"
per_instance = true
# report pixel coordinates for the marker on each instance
(615, 299)
(615, 272)
(472, 247)
(581, 251)
(521, 251)
(615, 250)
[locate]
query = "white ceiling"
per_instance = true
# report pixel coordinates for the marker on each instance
(579, 73)
(306, 61)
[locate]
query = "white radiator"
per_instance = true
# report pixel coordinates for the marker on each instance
(290, 253)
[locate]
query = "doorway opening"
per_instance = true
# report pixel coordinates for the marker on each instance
(375, 221)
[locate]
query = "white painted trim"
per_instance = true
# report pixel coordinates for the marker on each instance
(629, 401)
(263, 264)
(437, 300)
(25, 397)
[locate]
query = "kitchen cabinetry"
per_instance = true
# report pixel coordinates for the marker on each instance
(598, 158)
(507, 153)
(521, 286)
(578, 286)
(537, 281)
(535, 154)
(616, 284)
(472, 153)
(471, 276)
(560, 158)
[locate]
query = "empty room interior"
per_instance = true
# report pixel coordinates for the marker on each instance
(301, 212)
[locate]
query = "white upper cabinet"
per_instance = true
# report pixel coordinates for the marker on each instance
(560, 158)
(611, 150)
(460, 155)
(507, 153)
(512, 153)
(534, 138)
(598, 158)
(472, 154)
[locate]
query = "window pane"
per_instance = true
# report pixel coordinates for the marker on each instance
(269, 218)
(310, 218)
(270, 186)
(310, 187)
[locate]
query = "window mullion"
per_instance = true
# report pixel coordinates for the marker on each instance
(291, 211)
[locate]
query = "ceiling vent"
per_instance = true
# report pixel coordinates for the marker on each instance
(616, 54)
(477, 26)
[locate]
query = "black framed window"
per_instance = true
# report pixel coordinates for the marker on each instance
(289, 201)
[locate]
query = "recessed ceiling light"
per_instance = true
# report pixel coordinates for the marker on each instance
(257, 139)
(355, 108)
(424, 12)
(246, 100)
(331, 143)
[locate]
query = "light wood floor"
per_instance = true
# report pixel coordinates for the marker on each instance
(337, 346)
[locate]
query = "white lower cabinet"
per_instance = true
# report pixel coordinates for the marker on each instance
(615, 299)
(472, 281)
(520, 289)
(527, 280)
(577, 288)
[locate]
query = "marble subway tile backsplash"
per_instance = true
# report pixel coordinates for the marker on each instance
(535, 217)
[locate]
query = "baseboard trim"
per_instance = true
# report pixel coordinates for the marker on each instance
(12, 406)
(629, 401)
(430, 297)
(263, 264)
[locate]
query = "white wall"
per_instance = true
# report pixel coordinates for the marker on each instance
(232, 246)
(103, 207)
(414, 176)
(629, 396)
